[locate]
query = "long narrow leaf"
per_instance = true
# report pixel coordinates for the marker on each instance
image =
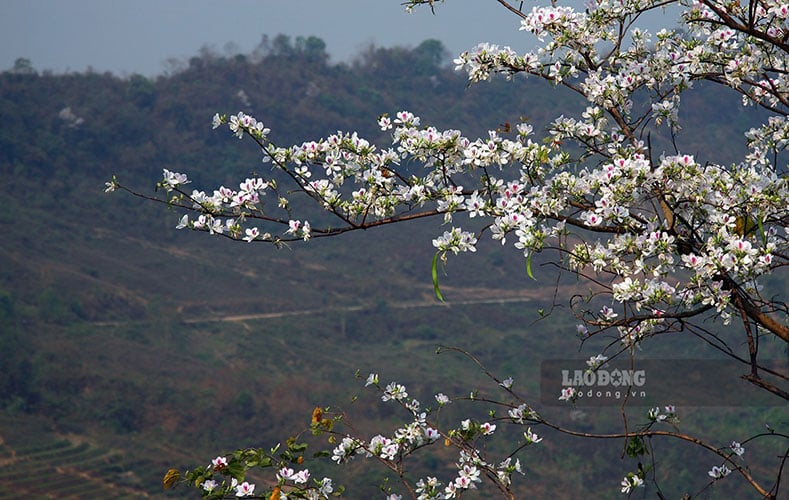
(763, 236)
(528, 267)
(435, 278)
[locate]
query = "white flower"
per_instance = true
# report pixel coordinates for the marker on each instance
(432, 434)
(719, 472)
(394, 391)
(285, 473)
(520, 413)
(631, 481)
(184, 222)
(245, 489)
(251, 234)
(531, 438)
(171, 180)
(326, 487)
(442, 399)
(301, 477)
(595, 361)
(293, 227)
(345, 450)
(568, 394)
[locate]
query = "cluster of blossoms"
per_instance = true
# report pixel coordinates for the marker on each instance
(719, 472)
(667, 414)
(669, 231)
(220, 464)
(469, 476)
(289, 482)
(666, 236)
(418, 433)
(407, 438)
(643, 249)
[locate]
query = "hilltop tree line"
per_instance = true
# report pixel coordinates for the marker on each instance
(88, 126)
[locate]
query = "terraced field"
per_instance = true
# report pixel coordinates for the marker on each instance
(46, 465)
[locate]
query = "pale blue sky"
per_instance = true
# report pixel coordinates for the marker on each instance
(140, 35)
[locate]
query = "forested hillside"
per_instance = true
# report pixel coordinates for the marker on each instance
(127, 347)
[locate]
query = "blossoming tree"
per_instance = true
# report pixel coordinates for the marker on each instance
(668, 240)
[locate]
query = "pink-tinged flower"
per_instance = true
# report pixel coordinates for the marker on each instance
(462, 482)
(209, 485)
(488, 428)
(285, 473)
(432, 434)
(245, 489)
(407, 118)
(467, 476)
(591, 219)
(219, 463)
(301, 477)
(737, 448)
(293, 226)
(568, 394)
(608, 313)
(251, 234)
(475, 205)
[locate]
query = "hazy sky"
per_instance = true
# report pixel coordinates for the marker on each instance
(140, 35)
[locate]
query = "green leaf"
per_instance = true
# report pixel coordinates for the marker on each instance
(636, 447)
(528, 267)
(236, 470)
(763, 236)
(297, 447)
(435, 277)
